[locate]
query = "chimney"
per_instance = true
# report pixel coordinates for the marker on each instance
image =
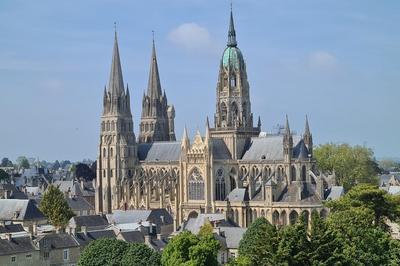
(8, 237)
(162, 219)
(160, 237)
(147, 240)
(84, 230)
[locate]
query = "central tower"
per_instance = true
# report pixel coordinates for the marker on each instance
(233, 119)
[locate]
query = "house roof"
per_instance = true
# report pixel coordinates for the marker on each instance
(88, 220)
(19, 210)
(16, 245)
(135, 216)
(233, 235)
(163, 151)
(132, 236)
(57, 241)
(334, 192)
(79, 204)
(11, 228)
(84, 239)
(194, 224)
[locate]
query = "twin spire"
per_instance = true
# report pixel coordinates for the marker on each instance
(116, 83)
(154, 85)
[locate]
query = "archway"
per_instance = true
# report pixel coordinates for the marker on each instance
(275, 218)
(293, 216)
(193, 214)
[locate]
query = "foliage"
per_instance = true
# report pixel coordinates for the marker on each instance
(23, 162)
(188, 249)
(352, 165)
(388, 165)
(55, 207)
(5, 162)
(206, 229)
(104, 251)
(140, 254)
(83, 171)
(260, 242)
(382, 204)
(4, 175)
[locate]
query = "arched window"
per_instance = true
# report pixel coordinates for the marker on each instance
(303, 173)
(104, 152)
(232, 178)
(220, 185)
(196, 185)
(224, 112)
(104, 173)
(235, 113)
(293, 217)
(293, 173)
(111, 152)
(103, 127)
(233, 81)
(112, 125)
(108, 125)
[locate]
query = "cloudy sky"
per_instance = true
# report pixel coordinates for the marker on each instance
(336, 61)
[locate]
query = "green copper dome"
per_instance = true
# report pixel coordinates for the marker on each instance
(232, 57)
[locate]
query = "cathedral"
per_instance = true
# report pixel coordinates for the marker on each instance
(234, 169)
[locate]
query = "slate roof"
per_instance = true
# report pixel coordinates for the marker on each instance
(334, 192)
(268, 147)
(57, 241)
(133, 236)
(84, 239)
(75, 188)
(194, 224)
(79, 204)
(89, 220)
(135, 216)
(16, 245)
(162, 151)
(19, 210)
(11, 228)
(238, 194)
(220, 150)
(290, 194)
(394, 190)
(233, 235)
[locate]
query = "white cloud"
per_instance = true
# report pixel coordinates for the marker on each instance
(191, 36)
(322, 60)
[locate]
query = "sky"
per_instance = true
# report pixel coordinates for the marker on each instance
(336, 61)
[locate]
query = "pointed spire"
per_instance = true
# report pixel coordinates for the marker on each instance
(307, 127)
(231, 33)
(259, 122)
(116, 83)
(207, 128)
(287, 128)
(127, 89)
(154, 86)
(185, 138)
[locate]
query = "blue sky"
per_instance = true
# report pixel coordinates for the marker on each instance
(337, 61)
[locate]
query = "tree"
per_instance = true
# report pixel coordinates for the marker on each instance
(352, 165)
(105, 251)
(382, 204)
(140, 254)
(188, 249)
(4, 175)
(23, 162)
(84, 171)
(55, 207)
(5, 162)
(260, 242)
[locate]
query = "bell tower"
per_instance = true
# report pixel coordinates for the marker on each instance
(117, 147)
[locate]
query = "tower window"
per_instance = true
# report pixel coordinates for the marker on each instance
(224, 112)
(104, 153)
(233, 81)
(220, 185)
(111, 152)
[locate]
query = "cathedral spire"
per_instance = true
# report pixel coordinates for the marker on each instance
(307, 128)
(116, 84)
(154, 85)
(231, 33)
(287, 128)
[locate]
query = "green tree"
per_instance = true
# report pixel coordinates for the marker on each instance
(382, 204)
(206, 230)
(259, 243)
(4, 175)
(352, 165)
(5, 162)
(55, 207)
(188, 249)
(104, 251)
(140, 254)
(23, 162)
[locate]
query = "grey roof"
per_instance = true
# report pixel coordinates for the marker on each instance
(78, 204)
(16, 245)
(300, 150)
(14, 192)
(132, 236)
(194, 224)
(233, 235)
(57, 241)
(135, 216)
(238, 194)
(394, 190)
(385, 178)
(11, 228)
(75, 188)
(220, 150)
(163, 151)
(266, 148)
(19, 210)
(290, 194)
(88, 220)
(85, 239)
(334, 192)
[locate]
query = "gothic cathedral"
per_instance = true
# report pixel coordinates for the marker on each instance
(233, 169)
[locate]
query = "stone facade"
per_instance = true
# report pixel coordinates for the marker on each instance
(232, 169)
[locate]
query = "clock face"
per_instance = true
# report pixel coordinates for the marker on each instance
(220, 172)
